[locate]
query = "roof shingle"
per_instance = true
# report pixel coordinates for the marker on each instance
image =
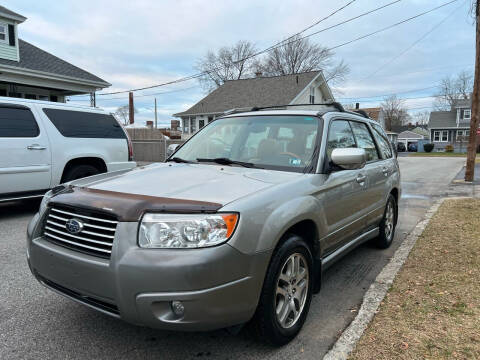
(442, 119)
(259, 91)
(33, 58)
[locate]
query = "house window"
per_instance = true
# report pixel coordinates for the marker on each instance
(312, 95)
(193, 125)
(186, 123)
(444, 135)
(436, 136)
(467, 114)
(459, 134)
(210, 119)
(201, 123)
(31, 96)
(3, 32)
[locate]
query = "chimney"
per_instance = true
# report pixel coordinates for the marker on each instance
(357, 106)
(150, 124)
(258, 74)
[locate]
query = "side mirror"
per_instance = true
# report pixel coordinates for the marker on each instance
(349, 158)
(171, 149)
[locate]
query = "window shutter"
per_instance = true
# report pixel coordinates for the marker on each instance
(11, 35)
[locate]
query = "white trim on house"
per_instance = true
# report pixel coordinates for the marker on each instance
(440, 135)
(47, 75)
(19, 18)
(323, 85)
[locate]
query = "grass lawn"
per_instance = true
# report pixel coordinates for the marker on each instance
(432, 310)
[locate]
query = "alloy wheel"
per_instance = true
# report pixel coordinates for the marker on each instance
(292, 290)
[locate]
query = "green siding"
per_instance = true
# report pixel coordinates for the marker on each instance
(6, 51)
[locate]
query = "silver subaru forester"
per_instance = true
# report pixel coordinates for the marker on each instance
(236, 226)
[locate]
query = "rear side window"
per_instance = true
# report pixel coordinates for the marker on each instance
(81, 124)
(382, 141)
(364, 140)
(17, 123)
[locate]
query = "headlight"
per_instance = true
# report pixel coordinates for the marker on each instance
(178, 231)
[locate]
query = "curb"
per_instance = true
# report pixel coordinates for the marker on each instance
(376, 293)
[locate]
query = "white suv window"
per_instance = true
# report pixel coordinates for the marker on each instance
(17, 123)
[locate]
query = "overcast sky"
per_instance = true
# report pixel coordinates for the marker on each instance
(143, 42)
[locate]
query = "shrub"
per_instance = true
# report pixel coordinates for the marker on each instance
(449, 148)
(428, 147)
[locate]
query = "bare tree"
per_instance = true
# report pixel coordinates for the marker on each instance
(122, 113)
(421, 117)
(395, 112)
(228, 63)
(299, 55)
(452, 89)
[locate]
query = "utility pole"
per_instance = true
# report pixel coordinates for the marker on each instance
(130, 108)
(155, 113)
(472, 140)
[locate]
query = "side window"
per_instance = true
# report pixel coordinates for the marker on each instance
(382, 141)
(364, 140)
(17, 123)
(340, 135)
(82, 124)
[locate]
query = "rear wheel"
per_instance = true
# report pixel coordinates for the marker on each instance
(387, 225)
(286, 294)
(80, 171)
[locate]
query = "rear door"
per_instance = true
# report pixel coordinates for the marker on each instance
(375, 189)
(25, 159)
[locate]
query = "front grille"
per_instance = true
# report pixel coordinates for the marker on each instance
(95, 238)
(99, 304)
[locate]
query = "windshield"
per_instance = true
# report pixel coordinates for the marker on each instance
(272, 142)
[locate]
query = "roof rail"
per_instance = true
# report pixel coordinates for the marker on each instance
(334, 104)
(362, 112)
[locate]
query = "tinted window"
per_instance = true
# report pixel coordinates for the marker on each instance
(81, 124)
(364, 140)
(340, 136)
(382, 141)
(17, 122)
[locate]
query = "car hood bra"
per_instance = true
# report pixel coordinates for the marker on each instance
(169, 187)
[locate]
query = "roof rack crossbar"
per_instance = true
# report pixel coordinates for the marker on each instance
(334, 104)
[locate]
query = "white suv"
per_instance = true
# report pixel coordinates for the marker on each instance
(43, 144)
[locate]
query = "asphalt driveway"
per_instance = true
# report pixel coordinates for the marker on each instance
(35, 323)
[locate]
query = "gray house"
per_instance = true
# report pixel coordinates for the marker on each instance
(32, 73)
(304, 88)
(451, 127)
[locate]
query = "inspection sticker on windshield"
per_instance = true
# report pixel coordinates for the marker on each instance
(295, 161)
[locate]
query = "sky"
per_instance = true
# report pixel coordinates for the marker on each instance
(140, 43)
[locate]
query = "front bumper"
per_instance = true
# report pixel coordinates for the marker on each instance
(218, 286)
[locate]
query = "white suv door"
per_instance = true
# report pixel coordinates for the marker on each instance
(25, 161)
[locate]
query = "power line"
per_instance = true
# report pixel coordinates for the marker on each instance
(194, 76)
(281, 43)
(393, 25)
(414, 43)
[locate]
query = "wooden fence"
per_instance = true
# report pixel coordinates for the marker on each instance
(150, 144)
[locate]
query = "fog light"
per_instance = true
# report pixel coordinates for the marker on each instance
(178, 308)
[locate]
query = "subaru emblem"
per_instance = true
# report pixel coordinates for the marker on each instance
(74, 226)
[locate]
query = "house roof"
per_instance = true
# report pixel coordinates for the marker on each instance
(9, 14)
(463, 103)
(409, 135)
(373, 113)
(258, 91)
(442, 119)
(34, 58)
(421, 131)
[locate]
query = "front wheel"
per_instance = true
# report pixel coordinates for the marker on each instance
(387, 225)
(286, 293)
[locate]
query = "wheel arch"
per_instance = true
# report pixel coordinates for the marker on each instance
(97, 162)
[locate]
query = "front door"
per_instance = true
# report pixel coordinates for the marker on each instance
(25, 161)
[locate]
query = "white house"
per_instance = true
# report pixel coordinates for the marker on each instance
(32, 73)
(304, 88)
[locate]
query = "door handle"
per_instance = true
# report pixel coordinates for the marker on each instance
(361, 179)
(385, 171)
(36, 147)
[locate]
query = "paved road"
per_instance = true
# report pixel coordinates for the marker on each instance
(38, 324)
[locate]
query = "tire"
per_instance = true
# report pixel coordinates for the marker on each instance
(80, 171)
(282, 290)
(388, 224)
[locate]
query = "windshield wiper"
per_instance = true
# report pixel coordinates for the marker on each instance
(180, 160)
(227, 161)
